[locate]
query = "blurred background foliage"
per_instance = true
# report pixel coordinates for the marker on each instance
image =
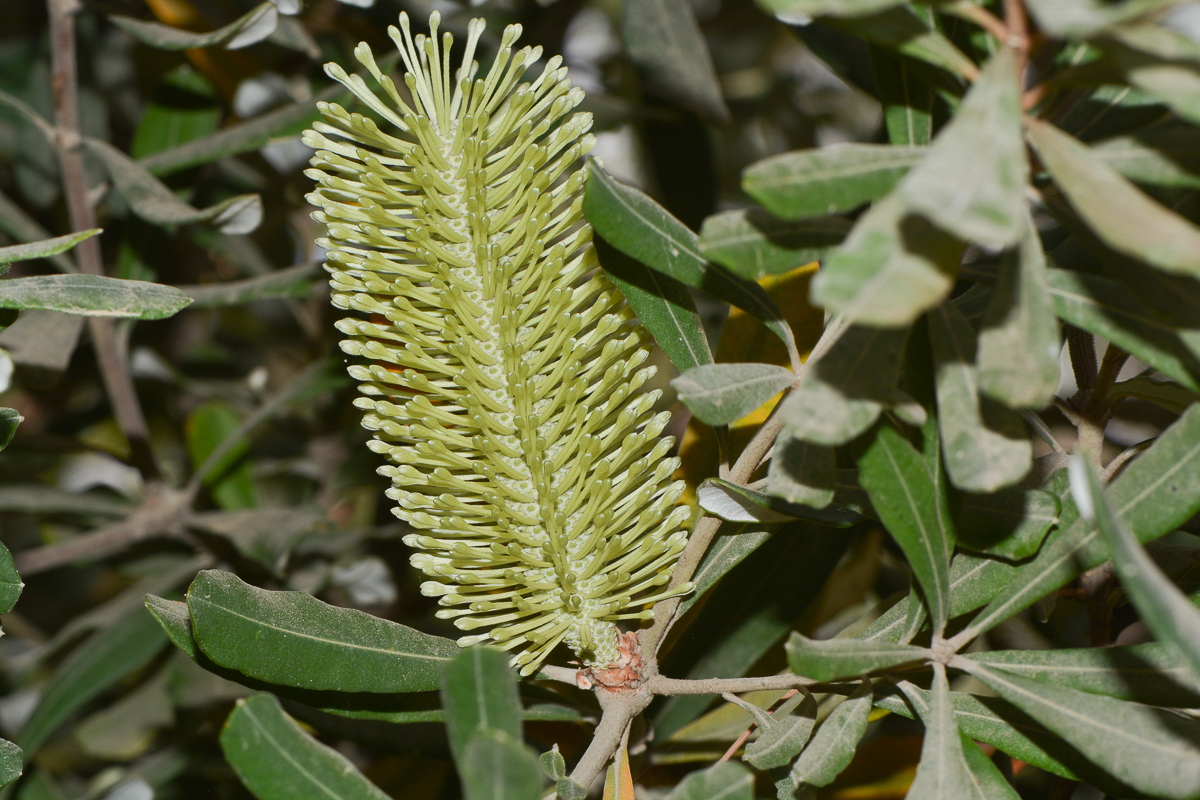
(253, 459)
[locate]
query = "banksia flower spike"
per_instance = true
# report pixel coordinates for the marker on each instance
(499, 366)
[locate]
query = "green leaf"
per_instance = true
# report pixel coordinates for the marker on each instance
(1107, 308)
(1080, 19)
(994, 721)
(836, 659)
(479, 693)
(1120, 214)
(664, 41)
(751, 243)
(907, 100)
(1162, 393)
(727, 780)
(973, 181)
(719, 394)
(45, 248)
(834, 744)
(985, 444)
(495, 766)
(151, 200)
(734, 503)
(1150, 749)
(293, 639)
(987, 782)
(11, 762)
(837, 8)
(727, 551)
(93, 296)
(814, 183)
(296, 281)
(277, 760)
(911, 507)
(1153, 495)
(1009, 524)
(846, 390)
(10, 581)
(893, 266)
(639, 227)
(176, 622)
(942, 773)
(254, 26)
(1152, 674)
(802, 472)
(183, 107)
(230, 479)
(553, 765)
(1165, 610)
(663, 305)
(904, 31)
(105, 659)
(1164, 155)
(780, 741)
(1019, 342)
(10, 418)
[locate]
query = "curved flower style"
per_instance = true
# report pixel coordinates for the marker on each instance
(501, 366)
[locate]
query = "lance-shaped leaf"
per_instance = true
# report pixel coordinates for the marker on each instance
(729, 549)
(1150, 749)
(253, 26)
(1019, 342)
(479, 693)
(907, 32)
(1165, 610)
(734, 503)
(293, 639)
(1152, 674)
(893, 266)
(1163, 155)
(44, 248)
(10, 418)
(1153, 495)
(907, 99)
(984, 443)
(751, 243)
(11, 762)
(833, 745)
(664, 41)
(662, 304)
(837, 8)
(495, 766)
(827, 180)
(1120, 214)
(972, 183)
(942, 773)
(1080, 19)
(154, 202)
(1010, 524)
(719, 394)
(835, 659)
(727, 780)
(848, 388)
(908, 502)
(1107, 308)
(802, 472)
(10, 582)
(987, 782)
(783, 734)
(93, 296)
(639, 227)
(277, 760)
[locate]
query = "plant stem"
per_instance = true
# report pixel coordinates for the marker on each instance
(113, 361)
(619, 708)
(660, 684)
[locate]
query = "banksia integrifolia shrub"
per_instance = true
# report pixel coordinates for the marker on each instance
(499, 367)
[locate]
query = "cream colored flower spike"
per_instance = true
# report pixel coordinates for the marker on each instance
(499, 367)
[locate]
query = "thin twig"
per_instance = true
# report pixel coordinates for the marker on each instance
(985, 19)
(660, 684)
(114, 364)
(618, 710)
(1017, 24)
